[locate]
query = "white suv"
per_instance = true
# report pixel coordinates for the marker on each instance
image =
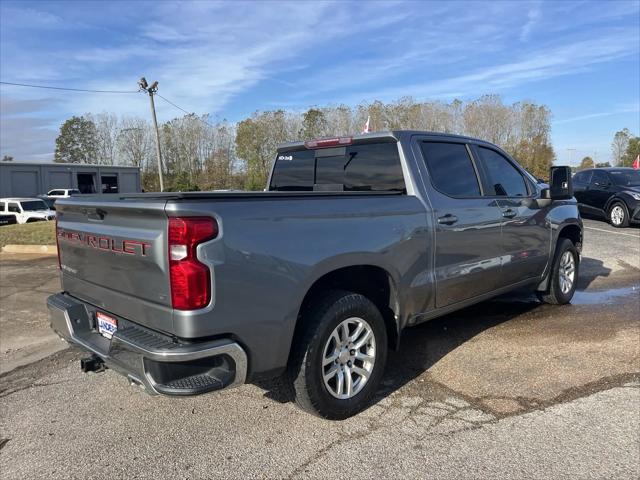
(63, 192)
(26, 209)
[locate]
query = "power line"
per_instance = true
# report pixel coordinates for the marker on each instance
(67, 89)
(171, 103)
(183, 110)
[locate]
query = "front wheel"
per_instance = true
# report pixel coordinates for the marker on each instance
(618, 216)
(338, 360)
(564, 274)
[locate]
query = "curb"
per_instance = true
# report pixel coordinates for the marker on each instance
(42, 249)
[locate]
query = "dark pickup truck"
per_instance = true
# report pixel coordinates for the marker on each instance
(314, 279)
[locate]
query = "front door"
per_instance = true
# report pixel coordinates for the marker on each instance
(526, 236)
(467, 238)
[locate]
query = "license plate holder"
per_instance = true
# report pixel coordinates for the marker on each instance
(107, 325)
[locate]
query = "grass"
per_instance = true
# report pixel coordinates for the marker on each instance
(36, 233)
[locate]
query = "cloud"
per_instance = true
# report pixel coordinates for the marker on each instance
(27, 139)
(617, 111)
(534, 15)
(535, 65)
(211, 57)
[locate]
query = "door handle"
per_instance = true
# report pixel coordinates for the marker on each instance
(509, 213)
(447, 219)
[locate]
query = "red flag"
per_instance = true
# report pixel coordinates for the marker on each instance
(636, 163)
(366, 126)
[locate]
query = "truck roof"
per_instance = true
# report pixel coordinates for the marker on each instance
(388, 135)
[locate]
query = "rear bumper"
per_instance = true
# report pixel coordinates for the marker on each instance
(157, 362)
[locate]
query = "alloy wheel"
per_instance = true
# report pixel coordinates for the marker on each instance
(617, 215)
(567, 272)
(348, 358)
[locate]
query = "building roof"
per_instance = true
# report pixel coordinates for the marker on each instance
(65, 165)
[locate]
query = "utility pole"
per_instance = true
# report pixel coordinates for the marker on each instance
(571, 150)
(151, 89)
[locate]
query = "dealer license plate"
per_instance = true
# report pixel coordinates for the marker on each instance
(107, 325)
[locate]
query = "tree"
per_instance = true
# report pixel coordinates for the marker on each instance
(107, 131)
(134, 142)
(314, 124)
(633, 150)
(256, 140)
(7, 158)
(77, 142)
(587, 162)
(619, 145)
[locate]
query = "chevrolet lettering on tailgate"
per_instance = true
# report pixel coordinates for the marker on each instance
(127, 247)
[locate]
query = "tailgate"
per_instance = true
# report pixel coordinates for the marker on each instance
(113, 254)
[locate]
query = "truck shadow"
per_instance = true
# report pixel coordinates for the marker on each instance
(424, 345)
(590, 270)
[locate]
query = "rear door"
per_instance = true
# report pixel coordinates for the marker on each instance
(468, 225)
(526, 236)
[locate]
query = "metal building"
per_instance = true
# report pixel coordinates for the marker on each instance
(32, 179)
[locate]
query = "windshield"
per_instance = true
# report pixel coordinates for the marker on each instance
(625, 178)
(34, 205)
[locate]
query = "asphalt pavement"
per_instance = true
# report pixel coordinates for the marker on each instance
(509, 388)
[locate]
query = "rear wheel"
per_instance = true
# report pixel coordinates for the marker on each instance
(338, 360)
(564, 274)
(618, 216)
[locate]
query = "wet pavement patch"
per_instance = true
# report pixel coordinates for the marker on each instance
(608, 296)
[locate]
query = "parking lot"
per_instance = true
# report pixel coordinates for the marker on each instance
(509, 388)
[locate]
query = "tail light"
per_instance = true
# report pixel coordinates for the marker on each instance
(190, 279)
(57, 243)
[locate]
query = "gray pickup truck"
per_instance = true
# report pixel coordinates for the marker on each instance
(315, 279)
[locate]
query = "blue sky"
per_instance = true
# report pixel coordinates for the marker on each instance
(582, 59)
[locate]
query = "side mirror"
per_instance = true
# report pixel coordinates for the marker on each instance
(560, 184)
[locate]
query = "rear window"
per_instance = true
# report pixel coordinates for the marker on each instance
(450, 169)
(625, 178)
(368, 167)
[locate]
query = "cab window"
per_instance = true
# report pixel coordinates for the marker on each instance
(504, 179)
(599, 178)
(13, 207)
(450, 169)
(582, 178)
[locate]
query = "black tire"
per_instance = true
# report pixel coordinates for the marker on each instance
(305, 370)
(625, 211)
(555, 295)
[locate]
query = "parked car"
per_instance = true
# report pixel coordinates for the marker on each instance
(355, 239)
(50, 201)
(63, 192)
(26, 210)
(612, 193)
(7, 219)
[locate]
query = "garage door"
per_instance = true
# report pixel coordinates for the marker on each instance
(24, 184)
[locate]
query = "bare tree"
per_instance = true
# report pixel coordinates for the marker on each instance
(134, 142)
(619, 145)
(107, 130)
